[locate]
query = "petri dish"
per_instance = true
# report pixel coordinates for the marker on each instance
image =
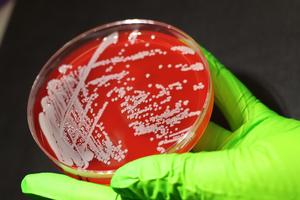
(119, 92)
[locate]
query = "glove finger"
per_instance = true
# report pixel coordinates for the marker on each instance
(241, 173)
(204, 175)
(234, 100)
(213, 138)
(153, 177)
(58, 186)
(175, 176)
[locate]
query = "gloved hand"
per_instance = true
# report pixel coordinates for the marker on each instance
(259, 158)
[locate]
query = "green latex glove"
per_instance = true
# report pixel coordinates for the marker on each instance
(259, 158)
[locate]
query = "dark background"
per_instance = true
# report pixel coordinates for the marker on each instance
(257, 40)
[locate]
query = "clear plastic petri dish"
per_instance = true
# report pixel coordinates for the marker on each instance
(117, 93)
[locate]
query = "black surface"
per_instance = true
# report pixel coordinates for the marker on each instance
(258, 40)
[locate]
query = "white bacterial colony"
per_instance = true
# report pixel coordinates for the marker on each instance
(72, 118)
(199, 86)
(64, 68)
(124, 59)
(133, 36)
(183, 49)
(193, 67)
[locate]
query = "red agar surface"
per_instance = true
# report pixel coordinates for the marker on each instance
(140, 96)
